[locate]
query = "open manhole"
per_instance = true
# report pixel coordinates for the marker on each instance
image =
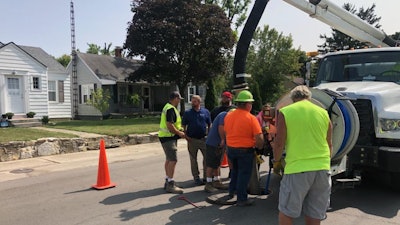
(22, 170)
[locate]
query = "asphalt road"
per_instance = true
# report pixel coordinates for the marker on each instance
(58, 191)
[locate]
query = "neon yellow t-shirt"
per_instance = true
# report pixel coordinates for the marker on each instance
(306, 146)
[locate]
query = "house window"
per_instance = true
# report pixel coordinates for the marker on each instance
(35, 83)
(122, 92)
(56, 90)
(52, 91)
(191, 92)
(87, 90)
(13, 83)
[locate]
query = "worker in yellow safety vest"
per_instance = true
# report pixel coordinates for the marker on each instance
(170, 131)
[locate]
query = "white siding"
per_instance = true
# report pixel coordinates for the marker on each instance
(85, 76)
(37, 99)
(61, 109)
(15, 61)
(12, 58)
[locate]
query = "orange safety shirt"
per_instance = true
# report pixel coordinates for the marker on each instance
(240, 127)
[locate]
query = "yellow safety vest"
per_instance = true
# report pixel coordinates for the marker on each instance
(164, 132)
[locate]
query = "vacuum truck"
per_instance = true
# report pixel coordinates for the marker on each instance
(360, 89)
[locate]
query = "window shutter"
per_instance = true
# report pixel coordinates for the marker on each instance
(115, 92)
(60, 91)
(80, 94)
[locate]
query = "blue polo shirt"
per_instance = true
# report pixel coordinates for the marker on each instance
(196, 122)
(213, 138)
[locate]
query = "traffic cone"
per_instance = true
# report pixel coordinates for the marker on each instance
(103, 176)
(224, 162)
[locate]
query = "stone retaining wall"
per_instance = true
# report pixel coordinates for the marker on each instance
(51, 146)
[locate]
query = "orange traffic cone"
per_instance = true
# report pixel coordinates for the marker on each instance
(103, 176)
(224, 162)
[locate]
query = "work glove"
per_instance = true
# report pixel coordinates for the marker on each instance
(278, 167)
(259, 158)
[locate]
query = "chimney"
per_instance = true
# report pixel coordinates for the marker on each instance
(118, 52)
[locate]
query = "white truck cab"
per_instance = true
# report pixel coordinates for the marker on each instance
(370, 80)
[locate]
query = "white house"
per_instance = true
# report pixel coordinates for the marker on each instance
(33, 81)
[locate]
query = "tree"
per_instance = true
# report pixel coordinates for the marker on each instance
(341, 41)
(211, 99)
(93, 49)
(100, 100)
(106, 49)
(235, 10)
(271, 57)
(64, 60)
(255, 90)
(396, 37)
(182, 41)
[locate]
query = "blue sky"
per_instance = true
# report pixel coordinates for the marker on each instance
(46, 23)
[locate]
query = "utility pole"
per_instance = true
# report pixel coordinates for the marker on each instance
(73, 66)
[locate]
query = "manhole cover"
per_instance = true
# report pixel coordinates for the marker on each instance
(22, 170)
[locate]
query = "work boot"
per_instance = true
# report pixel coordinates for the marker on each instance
(209, 188)
(219, 185)
(172, 188)
(248, 202)
(198, 181)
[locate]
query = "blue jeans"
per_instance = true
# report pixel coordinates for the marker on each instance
(242, 162)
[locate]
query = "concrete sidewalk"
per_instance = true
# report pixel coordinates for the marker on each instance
(17, 169)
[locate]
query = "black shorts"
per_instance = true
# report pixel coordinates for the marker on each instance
(213, 156)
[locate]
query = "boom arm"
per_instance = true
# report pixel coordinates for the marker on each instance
(344, 21)
(323, 10)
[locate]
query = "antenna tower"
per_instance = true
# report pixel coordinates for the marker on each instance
(73, 65)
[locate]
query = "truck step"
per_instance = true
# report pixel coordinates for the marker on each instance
(348, 182)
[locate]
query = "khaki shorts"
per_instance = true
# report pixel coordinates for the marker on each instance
(170, 148)
(307, 192)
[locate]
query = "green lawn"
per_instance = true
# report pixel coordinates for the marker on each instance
(113, 127)
(26, 134)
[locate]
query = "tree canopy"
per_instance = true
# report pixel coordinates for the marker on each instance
(341, 41)
(93, 49)
(96, 49)
(182, 40)
(235, 10)
(272, 57)
(64, 59)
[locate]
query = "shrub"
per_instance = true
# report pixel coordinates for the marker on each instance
(9, 115)
(45, 120)
(30, 114)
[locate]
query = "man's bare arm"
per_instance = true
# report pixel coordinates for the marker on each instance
(171, 127)
(259, 140)
(279, 143)
(329, 138)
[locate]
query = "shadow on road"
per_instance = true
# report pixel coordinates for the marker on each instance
(369, 198)
(127, 197)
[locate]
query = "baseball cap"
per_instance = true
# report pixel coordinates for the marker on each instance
(227, 94)
(175, 94)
